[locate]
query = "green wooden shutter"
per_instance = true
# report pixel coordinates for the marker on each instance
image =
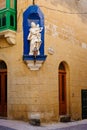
(8, 15)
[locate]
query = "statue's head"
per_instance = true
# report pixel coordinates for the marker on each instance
(33, 24)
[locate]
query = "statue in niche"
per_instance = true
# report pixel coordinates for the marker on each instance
(34, 37)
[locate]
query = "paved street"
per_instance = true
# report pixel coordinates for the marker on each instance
(5, 128)
(20, 125)
(78, 127)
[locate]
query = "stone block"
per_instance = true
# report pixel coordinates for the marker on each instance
(34, 119)
(65, 118)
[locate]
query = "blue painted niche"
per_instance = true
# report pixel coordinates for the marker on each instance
(32, 14)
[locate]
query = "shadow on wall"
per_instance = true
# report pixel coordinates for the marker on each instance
(75, 6)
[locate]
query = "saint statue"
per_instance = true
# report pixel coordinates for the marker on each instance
(34, 37)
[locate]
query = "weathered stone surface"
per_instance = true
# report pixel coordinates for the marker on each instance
(38, 91)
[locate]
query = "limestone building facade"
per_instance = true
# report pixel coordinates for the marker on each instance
(59, 86)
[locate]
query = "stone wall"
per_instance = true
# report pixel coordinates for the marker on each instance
(38, 91)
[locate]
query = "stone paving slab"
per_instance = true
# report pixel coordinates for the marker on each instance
(77, 127)
(20, 125)
(6, 128)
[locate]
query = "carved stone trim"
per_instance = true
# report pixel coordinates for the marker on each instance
(34, 65)
(10, 36)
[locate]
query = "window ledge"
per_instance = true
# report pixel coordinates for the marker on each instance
(9, 35)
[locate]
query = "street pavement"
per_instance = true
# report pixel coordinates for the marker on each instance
(20, 125)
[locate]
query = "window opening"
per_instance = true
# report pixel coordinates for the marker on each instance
(11, 20)
(3, 20)
(8, 15)
(0, 21)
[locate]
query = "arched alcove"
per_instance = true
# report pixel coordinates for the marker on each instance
(34, 60)
(64, 89)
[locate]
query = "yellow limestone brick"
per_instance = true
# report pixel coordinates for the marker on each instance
(38, 91)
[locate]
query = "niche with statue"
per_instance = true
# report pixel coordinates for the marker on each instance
(33, 36)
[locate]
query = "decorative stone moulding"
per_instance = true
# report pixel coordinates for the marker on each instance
(9, 35)
(33, 37)
(34, 63)
(34, 66)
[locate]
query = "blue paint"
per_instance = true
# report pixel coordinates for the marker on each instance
(38, 58)
(33, 13)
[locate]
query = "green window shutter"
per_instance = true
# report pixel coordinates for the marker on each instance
(8, 15)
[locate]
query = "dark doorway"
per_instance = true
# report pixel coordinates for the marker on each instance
(84, 104)
(62, 90)
(3, 89)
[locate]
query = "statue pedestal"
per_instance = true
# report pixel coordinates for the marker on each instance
(34, 63)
